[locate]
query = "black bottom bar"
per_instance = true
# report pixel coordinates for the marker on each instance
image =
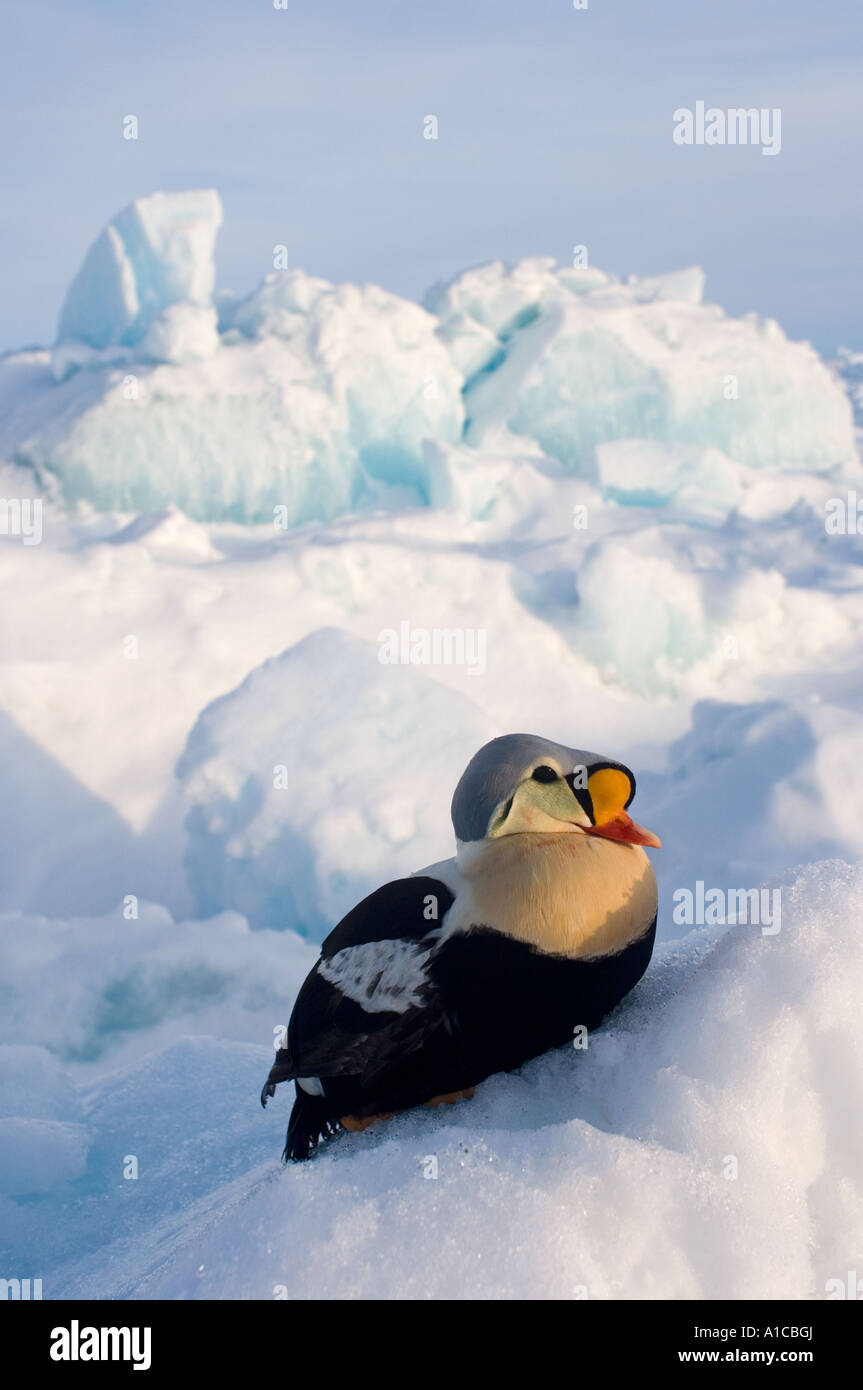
(72, 1339)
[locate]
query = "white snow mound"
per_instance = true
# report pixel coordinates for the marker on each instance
(717, 1115)
(289, 824)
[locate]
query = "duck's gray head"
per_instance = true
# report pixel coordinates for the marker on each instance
(522, 783)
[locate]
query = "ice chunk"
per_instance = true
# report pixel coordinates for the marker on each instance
(677, 284)
(155, 253)
(316, 402)
(510, 486)
(281, 304)
(260, 426)
(472, 346)
(292, 825)
(578, 367)
(704, 484)
(390, 376)
(181, 333)
(500, 297)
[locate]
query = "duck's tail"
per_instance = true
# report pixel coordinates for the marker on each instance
(310, 1122)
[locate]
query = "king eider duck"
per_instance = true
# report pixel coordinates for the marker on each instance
(541, 924)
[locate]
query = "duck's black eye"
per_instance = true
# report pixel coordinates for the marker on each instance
(544, 774)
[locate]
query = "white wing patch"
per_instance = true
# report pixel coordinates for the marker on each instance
(380, 975)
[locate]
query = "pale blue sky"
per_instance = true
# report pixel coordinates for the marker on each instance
(555, 129)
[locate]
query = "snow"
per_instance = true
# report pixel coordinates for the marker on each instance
(536, 489)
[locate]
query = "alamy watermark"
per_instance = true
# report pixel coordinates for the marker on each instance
(851, 1286)
(435, 646)
(713, 907)
(844, 515)
(77, 1343)
(20, 1289)
(739, 125)
(21, 516)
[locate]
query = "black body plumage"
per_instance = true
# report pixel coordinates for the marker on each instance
(468, 1004)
